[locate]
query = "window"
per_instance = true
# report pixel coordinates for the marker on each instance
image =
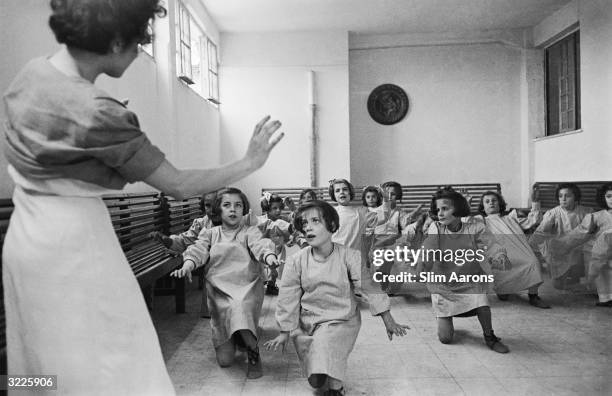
(196, 56)
(213, 73)
(562, 64)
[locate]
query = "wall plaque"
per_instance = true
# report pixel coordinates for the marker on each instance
(388, 104)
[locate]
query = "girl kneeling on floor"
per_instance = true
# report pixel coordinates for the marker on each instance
(317, 304)
(231, 254)
(456, 298)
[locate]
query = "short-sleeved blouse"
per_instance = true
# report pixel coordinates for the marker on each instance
(60, 126)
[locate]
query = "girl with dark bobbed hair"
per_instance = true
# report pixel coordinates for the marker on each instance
(317, 304)
(549, 239)
(460, 298)
(526, 272)
(67, 143)
(592, 232)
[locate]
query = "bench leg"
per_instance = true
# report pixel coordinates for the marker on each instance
(204, 309)
(180, 295)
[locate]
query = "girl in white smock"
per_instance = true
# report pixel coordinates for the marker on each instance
(231, 254)
(456, 297)
(508, 230)
(354, 220)
(317, 306)
(566, 267)
(590, 231)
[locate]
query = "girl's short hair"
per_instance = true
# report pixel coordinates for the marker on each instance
(570, 186)
(500, 200)
(215, 215)
(267, 203)
(375, 190)
(92, 25)
(396, 186)
(339, 181)
(310, 192)
(462, 208)
(329, 214)
(601, 195)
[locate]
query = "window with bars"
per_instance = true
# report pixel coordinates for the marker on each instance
(196, 56)
(562, 63)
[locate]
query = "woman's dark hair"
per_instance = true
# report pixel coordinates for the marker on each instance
(329, 214)
(215, 215)
(92, 25)
(339, 181)
(570, 186)
(396, 186)
(376, 191)
(310, 192)
(500, 200)
(462, 208)
(601, 195)
(266, 203)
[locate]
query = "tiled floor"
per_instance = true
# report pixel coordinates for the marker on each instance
(561, 351)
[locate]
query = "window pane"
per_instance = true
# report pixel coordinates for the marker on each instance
(562, 86)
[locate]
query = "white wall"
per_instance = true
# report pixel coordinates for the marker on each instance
(181, 123)
(464, 118)
(586, 155)
(267, 73)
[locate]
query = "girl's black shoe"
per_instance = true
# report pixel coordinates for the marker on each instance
(334, 392)
(495, 343)
(254, 368)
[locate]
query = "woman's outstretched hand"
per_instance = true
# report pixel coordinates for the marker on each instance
(262, 142)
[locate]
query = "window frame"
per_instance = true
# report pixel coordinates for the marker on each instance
(205, 82)
(562, 74)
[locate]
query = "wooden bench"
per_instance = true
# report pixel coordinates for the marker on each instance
(588, 190)
(412, 195)
(6, 209)
(134, 216)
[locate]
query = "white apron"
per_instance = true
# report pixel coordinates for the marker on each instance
(73, 306)
(525, 271)
(234, 286)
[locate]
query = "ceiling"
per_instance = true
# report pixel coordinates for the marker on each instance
(378, 16)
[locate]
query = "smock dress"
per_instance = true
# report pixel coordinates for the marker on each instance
(601, 265)
(279, 232)
(388, 236)
(234, 277)
(508, 230)
(587, 234)
(548, 239)
(181, 241)
(317, 304)
(452, 298)
(353, 223)
(73, 306)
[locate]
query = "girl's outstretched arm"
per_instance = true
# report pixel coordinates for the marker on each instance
(378, 300)
(392, 326)
(279, 341)
(289, 296)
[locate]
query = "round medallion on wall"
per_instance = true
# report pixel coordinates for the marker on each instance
(388, 104)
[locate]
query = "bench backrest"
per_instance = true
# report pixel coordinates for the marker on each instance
(413, 195)
(182, 213)
(134, 216)
(588, 190)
